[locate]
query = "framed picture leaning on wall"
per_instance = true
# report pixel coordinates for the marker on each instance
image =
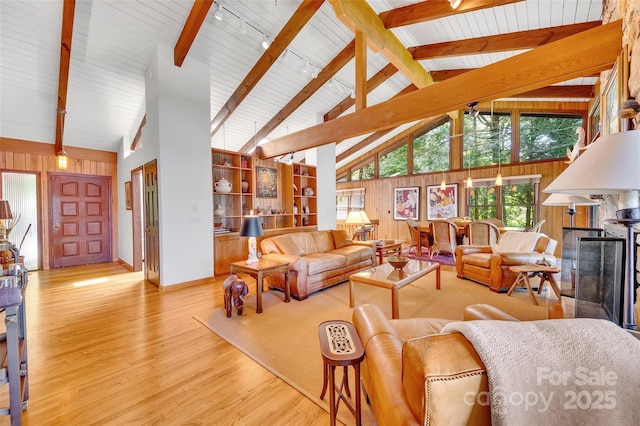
(406, 203)
(442, 204)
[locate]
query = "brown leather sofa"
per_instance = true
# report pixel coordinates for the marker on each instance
(413, 375)
(317, 259)
(489, 265)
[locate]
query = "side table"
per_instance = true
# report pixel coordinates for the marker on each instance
(340, 345)
(386, 249)
(544, 272)
(258, 271)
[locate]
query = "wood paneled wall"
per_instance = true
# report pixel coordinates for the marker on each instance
(39, 158)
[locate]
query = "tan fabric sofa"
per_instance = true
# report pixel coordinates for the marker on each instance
(317, 259)
(413, 375)
(490, 265)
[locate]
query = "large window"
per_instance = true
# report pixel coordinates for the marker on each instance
(347, 199)
(514, 202)
(431, 149)
(544, 136)
(394, 162)
(487, 139)
(366, 171)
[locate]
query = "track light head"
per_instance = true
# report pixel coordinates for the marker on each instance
(218, 13)
(266, 42)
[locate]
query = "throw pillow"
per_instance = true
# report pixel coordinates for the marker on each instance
(288, 246)
(341, 238)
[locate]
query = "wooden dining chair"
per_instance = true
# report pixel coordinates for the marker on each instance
(444, 234)
(419, 238)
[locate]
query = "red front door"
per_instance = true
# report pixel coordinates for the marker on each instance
(80, 218)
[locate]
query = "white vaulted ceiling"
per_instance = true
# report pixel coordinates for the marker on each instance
(113, 41)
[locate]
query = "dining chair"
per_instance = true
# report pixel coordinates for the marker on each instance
(482, 233)
(444, 234)
(537, 227)
(419, 238)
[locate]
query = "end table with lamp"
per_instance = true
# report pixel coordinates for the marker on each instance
(259, 268)
(359, 217)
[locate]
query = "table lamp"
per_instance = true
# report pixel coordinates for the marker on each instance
(610, 166)
(5, 213)
(359, 217)
(251, 228)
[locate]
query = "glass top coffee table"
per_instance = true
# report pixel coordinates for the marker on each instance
(386, 276)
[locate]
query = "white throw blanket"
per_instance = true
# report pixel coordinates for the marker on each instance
(557, 372)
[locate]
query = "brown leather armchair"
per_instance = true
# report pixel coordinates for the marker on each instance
(413, 375)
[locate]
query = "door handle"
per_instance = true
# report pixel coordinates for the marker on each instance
(56, 226)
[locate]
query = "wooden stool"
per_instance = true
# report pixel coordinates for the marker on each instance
(340, 345)
(529, 271)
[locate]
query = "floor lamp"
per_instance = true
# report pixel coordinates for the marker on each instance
(610, 166)
(570, 201)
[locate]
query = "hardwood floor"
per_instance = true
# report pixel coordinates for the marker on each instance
(118, 351)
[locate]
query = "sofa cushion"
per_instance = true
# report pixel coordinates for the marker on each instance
(515, 241)
(323, 241)
(321, 262)
(341, 238)
(354, 253)
(288, 245)
(478, 259)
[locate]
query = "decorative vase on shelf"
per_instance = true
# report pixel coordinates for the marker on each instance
(295, 209)
(245, 186)
(219, 211)
(222, 185)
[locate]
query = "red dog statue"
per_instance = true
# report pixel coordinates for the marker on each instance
(235, 289)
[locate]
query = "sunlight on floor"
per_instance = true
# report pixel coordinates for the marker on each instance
(90, 282)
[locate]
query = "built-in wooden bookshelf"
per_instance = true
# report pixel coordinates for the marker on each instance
(291, 207)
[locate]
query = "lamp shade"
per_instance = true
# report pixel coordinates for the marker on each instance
(609, 166)
(251, 227)
(569, 200)
(5, 210)
(357, 217)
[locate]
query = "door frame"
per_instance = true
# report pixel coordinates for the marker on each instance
(137, 212)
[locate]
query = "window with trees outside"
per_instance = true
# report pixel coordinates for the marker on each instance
(394, 162)
(514, 202)
(348, 199)
(366, 171)
(431, 148)
(487, 139)
(544, 136)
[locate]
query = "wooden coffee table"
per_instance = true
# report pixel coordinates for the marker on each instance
(260, 270)
(386, 249)
(386, 276)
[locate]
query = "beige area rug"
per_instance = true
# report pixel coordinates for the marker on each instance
(284, 338)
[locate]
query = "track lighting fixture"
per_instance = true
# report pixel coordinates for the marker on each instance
(353, 93)
(242, 27)
(454, 3)
(472, 110)
(265, 42)
(218, 13)
(314, 73)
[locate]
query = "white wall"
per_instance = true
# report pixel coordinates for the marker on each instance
(178, 135)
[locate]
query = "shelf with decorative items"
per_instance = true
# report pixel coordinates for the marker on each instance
(232, 197)
(304, 195)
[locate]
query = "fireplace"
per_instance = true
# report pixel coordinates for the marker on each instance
(600, 266)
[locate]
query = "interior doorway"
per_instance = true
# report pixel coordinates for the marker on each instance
(21, 191)
(137, 218)
(151, 224)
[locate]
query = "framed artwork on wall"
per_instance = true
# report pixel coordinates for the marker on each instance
(406, 203)
(127, 195)
(442, 204)
(267, 182)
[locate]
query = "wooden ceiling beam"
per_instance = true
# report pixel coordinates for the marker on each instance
(68, 12)
(298, 20)
(434, 9)
(381, 76)
(190, 30)
(336, 64)
(499, 43)
(571, 57)
(358, 15)
(584, 91)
